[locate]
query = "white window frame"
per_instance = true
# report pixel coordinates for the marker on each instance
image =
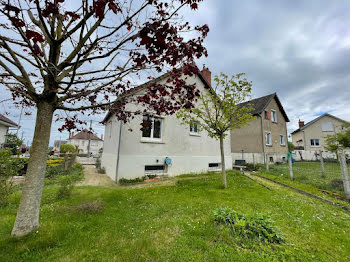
(94, 143)
(282, 140)
(266, 142)
(192, 130)
(273, 116)
(152, 130)
(319, 142)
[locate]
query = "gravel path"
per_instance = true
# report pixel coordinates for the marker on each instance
(92, 178)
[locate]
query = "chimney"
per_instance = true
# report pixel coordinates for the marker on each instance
(301, 123)
(206, 74)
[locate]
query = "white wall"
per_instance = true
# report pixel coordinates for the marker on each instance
(3, 133)
(258, 158)
(82, 144)
(189, 153)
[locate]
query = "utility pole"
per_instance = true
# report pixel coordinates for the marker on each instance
(89, 138)
(19, 121)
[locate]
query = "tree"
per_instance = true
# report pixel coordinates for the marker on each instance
(218, 111)
(67, 148)
(68, 57)
(338, 143)
(291, 146)
(14, 143)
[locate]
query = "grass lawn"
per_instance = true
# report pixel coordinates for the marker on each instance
(309, 173)
(174, 222)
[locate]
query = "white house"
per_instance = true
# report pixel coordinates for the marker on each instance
(167, 147)
(5, 124)
(81, 141)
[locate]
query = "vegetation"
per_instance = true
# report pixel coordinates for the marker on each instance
(246, 228)
(67, 148)
(175, 222)
(309, 174)
(124, 181)
(98, 166)
(217, 111)
(291, 146)
(13, 143)
(49, 47)
(8, 168)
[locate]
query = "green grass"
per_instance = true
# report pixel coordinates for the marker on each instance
(309, 173)
(176, 223)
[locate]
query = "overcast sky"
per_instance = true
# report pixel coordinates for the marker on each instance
(299, 49)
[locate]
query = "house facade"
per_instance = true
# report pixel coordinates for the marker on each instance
(265, 137)
(5, 125)
(86, 142)
(312, 135)
(166, 147)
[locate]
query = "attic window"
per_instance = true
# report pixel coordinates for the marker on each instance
(152, 127)
(327, 127)
(274, 116)
(193, 128)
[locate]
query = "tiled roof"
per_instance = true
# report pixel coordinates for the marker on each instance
(85, 134)
(8, 121)
(259, 104)
(316, 119)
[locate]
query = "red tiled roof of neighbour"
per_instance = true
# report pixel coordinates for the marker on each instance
(86, 134)
(8, 121)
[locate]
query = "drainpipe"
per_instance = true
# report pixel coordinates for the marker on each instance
(117, 166)
(262, 137)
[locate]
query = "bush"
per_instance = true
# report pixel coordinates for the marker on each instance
(99, 168)
(135, 180)
(66, 187)
(67, 148)
(54, 171)
(9, 167)
(257, 227)
(251, 167)
(337, 184)
(93, 207)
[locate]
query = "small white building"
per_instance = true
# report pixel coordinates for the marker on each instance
(5, 124)
(167, 147)
(85, 139)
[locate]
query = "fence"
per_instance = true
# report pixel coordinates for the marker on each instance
(323, 170)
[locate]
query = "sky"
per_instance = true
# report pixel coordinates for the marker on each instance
(298, 49)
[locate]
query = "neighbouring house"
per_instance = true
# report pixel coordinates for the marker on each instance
(310, 138)
(57, 144)
(265, 137)
(166, 147)
(86, 142)
(5, 125)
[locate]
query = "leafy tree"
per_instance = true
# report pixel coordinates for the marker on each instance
(291, 146)
(14, 143)
(67, 148)
(62, 57)
(218, 111)
(338, 143)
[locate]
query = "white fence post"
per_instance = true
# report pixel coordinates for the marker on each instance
(345, 174)
(290, 165)
(322, 164)
(266, 162)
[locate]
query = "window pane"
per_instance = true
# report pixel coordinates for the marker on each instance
(195, 128)
(157, 128)
(191, 127)
(146, 127)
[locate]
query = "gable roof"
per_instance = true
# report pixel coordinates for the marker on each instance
(315, 120)
(259, 104)
(9, 122)
(85, 134)
(159, 78)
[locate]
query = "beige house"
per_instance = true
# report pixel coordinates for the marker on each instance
(166, 147)
(311, 136)
(5, 125)
(264, 138)
(86, 142)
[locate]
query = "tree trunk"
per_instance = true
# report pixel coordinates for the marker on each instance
(223, 168)
(345, 174)
(27, 219)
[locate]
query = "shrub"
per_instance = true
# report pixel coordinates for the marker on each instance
(93, 207)
(252, 167)
(54, 162)
(337, 184)
(9, 167)
(135, 180)
(66, 184)
(54, 171)
(67, 148)
(99, 168)
(256, 227)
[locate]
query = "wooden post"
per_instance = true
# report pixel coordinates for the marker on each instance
(266, 162)
(290, 165)
(322, 164)
(345, 174)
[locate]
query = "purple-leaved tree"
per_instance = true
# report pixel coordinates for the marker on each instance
(79, 56)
